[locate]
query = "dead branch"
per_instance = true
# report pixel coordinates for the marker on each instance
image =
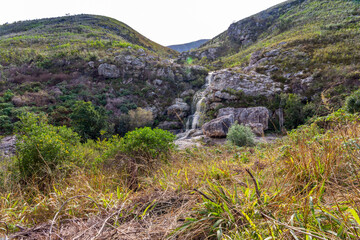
(66, 202)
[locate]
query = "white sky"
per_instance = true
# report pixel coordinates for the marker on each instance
(164, 21)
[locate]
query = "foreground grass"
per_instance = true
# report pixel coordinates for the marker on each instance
(304, 186)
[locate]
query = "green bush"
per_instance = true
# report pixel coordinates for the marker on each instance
(240, 135)
(42, 149)
(147, 143)
(293, 111)
(352, 102)
(6, 126)
(87, 121)
(8, 95)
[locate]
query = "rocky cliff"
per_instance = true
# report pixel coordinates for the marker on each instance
(298, 53)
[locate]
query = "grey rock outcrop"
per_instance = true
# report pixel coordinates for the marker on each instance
(256, 118)
(108, 70)
(218, 127)
(7, 147)
(230, 85)
(251, 116)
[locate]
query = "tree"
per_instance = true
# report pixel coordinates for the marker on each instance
(87, 121)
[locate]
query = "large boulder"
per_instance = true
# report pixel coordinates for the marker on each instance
(108, 71)
(218, 127)
(247, 116)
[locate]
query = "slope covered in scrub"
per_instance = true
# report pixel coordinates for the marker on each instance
(47, 65)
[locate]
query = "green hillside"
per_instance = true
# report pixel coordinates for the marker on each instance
(75, 36)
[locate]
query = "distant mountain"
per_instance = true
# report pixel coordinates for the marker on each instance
(188, 46)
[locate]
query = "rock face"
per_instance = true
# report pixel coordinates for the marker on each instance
(255, 115)
(256, 118)
(108, 71)
(218, 127)
(227, 84)
(248, 30)
(7, 147)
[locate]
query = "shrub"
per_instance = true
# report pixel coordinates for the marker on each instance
(6, 125)
(293, 111)
(140, 118)
(352, 102)
(147, 143)
(8, 95)
(42, 148)
(240, 135)
(87, 121)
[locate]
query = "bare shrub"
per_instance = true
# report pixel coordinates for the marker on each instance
(140, 117)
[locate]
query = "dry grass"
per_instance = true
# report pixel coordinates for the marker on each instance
(303, 186)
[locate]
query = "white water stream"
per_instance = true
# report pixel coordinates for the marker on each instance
(198, 109)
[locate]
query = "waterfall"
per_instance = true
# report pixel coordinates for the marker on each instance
(198, 105)
(197, 108)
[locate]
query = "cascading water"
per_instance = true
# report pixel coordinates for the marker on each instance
(198, 108)
(198, 105)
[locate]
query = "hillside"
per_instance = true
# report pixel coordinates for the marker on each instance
(188, 46)
(309, 48)
(74, 30)
(47, 65)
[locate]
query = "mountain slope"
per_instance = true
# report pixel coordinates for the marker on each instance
(309, 46)
(188, 46)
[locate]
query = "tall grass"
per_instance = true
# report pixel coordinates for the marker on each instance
(304, 186)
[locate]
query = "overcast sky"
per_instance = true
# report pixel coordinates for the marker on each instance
(163, 21)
